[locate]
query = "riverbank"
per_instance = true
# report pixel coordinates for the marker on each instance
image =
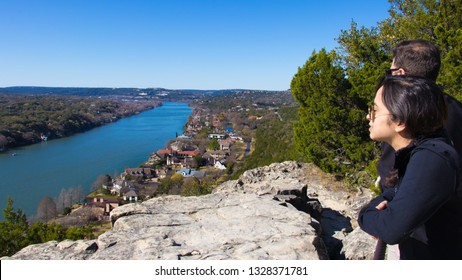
(44, 169)
(30, 119)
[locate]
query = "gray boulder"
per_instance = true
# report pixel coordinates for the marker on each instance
(219, 226)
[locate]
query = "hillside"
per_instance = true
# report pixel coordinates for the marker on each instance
(163, 94)
(25, 119)
(282, 211)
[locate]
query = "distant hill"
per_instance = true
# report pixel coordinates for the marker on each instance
(158, 93)
(28, 119)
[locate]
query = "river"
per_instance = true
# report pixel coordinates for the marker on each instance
(43, 169)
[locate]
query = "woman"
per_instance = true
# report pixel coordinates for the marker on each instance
(423, 212)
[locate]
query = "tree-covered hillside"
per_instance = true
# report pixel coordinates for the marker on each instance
(334, 88)
(274, 141)
(25, 118)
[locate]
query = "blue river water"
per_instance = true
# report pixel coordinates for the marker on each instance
(44, 169)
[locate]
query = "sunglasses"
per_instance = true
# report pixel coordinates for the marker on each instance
(371, 113)
(390, 71)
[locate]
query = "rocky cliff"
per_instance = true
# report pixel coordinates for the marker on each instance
(286, 210)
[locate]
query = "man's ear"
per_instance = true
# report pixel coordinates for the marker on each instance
(400, 71)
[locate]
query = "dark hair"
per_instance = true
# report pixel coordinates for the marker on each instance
(418, 57)
(416, 102)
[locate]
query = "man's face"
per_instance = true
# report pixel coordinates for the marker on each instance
(393, 64)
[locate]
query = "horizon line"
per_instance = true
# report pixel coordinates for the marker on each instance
(107, 87)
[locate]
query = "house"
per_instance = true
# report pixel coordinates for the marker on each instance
(218, 155)
(210, 160)
(172, 160)
(185, 154)
(189, 162)
(117, 186)
(219, 165)
(138, 172)
(186, 172)
(166, 152)
(216, 136)
(237, 138)
(121, 187)
(131, 195)
(176, 153)
(224, 145)
(104, 203)
(164, 172)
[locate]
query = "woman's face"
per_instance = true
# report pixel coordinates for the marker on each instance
(381, 127)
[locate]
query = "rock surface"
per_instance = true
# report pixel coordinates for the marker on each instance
(310, 190)
(282, 211)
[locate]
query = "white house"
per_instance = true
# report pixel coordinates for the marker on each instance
(219, 165)
(186, 172)
(216, 136)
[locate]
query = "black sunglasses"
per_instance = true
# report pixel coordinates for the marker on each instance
(390, 71)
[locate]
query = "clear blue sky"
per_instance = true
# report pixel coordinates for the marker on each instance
(214, 44)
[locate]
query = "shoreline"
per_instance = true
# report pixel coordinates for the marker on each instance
(69, 152)
(96, 194)
(45, 135)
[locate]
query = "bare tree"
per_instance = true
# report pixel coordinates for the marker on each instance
(46, 209)
(63, 200)
(3, 142)
(68, 197)
(100, 181)
(77, 195)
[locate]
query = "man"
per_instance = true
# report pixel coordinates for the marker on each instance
(420, 58)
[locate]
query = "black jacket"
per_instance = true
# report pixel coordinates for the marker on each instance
(453, 129)
(424, 213)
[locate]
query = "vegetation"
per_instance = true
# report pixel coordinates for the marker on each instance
(274, 141)
(67, 198)
(247, 99)
(47, 209)
(160, 94)
(333, 89)
(170, 184)
(100, 181)
(213, 145)
(195, 188)
(332, 126)
(16, 233)
(24, 119)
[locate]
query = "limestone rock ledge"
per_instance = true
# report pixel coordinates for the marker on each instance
(282, 211)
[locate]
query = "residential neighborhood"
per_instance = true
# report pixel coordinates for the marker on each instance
(202, 154)
(219, 133)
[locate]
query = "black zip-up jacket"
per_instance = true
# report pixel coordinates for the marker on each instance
(453, 129)
(424, 212)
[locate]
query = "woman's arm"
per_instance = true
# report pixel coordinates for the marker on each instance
(428, 183)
